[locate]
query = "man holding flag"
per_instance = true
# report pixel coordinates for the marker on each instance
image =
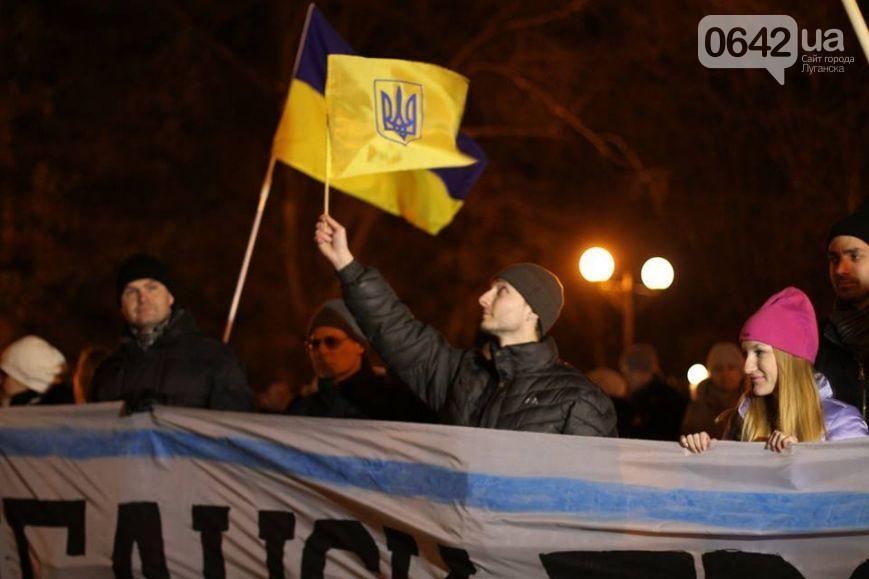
(522, 385)
(385, 131)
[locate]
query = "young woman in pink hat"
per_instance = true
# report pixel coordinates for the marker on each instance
(788, 401)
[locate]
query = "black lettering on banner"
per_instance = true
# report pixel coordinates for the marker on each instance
(605, 564)
(211, 522)
(457, 562)
(861, 572)
(139, 524)
(276, 528)
(22, 513)
(403, 547)
(738, 564)
(343, 535)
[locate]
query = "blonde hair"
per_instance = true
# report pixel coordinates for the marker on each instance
(794, 407)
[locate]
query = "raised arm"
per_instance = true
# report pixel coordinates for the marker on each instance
(414, 351)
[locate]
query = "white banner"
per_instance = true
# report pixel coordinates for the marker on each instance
(189, 493)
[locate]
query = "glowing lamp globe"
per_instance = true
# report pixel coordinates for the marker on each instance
(596, 264)
(657, 273)
(697, 374)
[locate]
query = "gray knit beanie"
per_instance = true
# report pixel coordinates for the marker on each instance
(541, 289)
(334, 314)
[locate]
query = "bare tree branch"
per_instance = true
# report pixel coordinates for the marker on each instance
(495, 27)
(268, 87)
(483, 37)
(543, 19)
(611, 147)
(507, 131)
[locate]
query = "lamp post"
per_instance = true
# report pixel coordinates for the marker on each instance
(597, 265)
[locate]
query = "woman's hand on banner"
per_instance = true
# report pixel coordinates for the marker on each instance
(697, 442)
(778, 441)
(331, 238)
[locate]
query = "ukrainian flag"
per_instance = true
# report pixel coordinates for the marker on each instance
(427, 198)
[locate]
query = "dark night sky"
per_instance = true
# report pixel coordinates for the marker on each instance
(130, 126)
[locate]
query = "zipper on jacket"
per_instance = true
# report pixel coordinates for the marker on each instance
(861, 378)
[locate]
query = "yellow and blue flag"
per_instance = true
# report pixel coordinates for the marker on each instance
(426, 197)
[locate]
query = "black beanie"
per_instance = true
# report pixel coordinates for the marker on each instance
(855, 225)
(334, 314)
(142, 266)
(541, 289)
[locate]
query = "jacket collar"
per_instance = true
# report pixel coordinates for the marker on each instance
(522, 358)
(832, 334)
(180, 322)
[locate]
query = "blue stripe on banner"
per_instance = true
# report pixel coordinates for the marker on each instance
(769, 512)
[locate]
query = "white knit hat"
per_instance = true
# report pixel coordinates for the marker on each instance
(33, 362)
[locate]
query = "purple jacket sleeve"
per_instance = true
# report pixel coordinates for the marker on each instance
(842, 420)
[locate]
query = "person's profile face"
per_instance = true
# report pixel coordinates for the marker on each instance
(504, 309)
(760, 367)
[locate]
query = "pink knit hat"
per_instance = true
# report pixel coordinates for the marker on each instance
(787, 322)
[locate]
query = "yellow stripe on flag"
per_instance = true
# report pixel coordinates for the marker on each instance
(390, 115)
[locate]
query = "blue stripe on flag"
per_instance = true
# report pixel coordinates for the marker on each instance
(754, 511)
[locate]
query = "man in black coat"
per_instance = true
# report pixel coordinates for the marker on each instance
(844, 348)
(163, 357)
(520, 384)
(347, 386)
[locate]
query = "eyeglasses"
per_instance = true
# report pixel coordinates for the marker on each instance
(331, 343)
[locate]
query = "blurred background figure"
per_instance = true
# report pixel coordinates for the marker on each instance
(347, 385)
(655, 408)
(276, 397)
(616, 387)
(719, 392)
(32, 371)
(89, 359)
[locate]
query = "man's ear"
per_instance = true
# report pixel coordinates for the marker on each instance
(171, 299)
(532, 317)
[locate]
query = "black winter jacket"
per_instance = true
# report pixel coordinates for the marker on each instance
(365, 395)
(182, 368)
(843, 369)
(522, 387)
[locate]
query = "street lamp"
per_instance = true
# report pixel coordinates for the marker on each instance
(597, 265)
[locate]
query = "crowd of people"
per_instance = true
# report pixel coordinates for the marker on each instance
(785, 382)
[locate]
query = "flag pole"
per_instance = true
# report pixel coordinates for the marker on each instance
(859, 24)
(328, 168)
(242, 276)
(265, 190)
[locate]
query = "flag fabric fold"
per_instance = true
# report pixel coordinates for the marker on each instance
(425, 194)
